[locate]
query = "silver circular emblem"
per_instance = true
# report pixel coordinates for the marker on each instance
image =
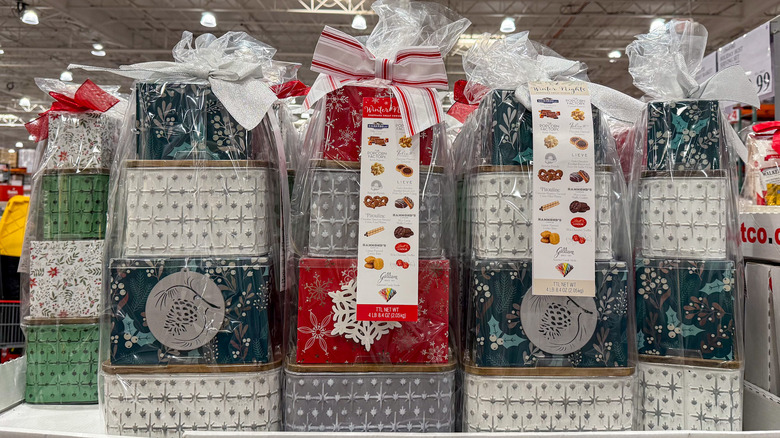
(558, 325)
(185, 310)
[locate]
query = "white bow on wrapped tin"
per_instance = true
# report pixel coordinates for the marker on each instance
(404, 52)
(664, 64)
(515, 61)
(238, 67)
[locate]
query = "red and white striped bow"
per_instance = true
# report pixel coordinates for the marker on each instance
(413, 76)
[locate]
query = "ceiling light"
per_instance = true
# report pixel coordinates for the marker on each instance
(615, 54)
(359, 22)
(508, 25)
(66, 76)
(2, 51)
(29, 16)
(98, 50)
(24, 102)
(19, 144)
(208, 20)
(31, 138)
(656, 24)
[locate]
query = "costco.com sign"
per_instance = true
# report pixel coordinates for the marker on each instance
(759, 234)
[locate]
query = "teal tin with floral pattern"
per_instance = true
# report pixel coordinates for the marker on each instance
(683, 135)
(179, 121)
(511, 139)
(685, 308)
(514, 328)
(191, 311)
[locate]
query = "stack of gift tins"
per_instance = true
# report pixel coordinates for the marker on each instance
(192, 297)
(347, 375)
(685, 273)
(539, 362)
(66, 258)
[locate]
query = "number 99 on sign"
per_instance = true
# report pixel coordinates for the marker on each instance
(763, 82)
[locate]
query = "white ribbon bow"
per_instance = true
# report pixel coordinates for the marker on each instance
(232, 64)
(614, 103)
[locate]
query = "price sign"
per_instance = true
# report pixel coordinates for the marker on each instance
(752, 52)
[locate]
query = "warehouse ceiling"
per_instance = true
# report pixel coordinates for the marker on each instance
(143, 30)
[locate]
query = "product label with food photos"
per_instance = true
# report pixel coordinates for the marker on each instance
(564, 225)
(388, 240)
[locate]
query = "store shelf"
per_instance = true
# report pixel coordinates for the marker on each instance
(51, 421)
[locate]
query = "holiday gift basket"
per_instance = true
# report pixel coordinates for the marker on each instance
(545, 264)
(371, 344)
(195, 259)
(62, 261)
(688, 272)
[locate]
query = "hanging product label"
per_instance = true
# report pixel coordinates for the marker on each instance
(388, 239)
(564, 259)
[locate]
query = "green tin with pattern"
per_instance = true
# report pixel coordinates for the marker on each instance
(74, 205)
(62, 363)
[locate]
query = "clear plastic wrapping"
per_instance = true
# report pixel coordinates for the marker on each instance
(546, 349)
(195, 265)
(762, 169)
(689, 270)
(414, 360)
(62, 264)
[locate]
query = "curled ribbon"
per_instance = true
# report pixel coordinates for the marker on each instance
(413, 76)
(232, 64)
(88, 97)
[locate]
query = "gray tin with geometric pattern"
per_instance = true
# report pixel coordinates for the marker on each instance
(683, 216)
(501, 203)
(420, 399)
(165, 404)
(501, 403)
(336, 203)
(688, 397)
(207, 209)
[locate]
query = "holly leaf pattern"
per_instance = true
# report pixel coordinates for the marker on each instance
(713, 287)
(525, 157)
(690, 330)
(671, 317)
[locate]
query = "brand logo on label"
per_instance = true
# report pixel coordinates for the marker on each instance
(547, 100)
(578, 222)
(377, 125)
(403, 247)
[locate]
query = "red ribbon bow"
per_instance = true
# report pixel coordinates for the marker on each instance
(466, 99)
(413, 75)
(88, 97)
(770, 126)
(290, 89)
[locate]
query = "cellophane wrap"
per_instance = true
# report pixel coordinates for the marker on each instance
(517, 377)
(195, 258)
(403, 373)
(761, 186)
(62, 262)
(689, 270)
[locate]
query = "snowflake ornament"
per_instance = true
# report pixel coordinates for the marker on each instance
(345, 321)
